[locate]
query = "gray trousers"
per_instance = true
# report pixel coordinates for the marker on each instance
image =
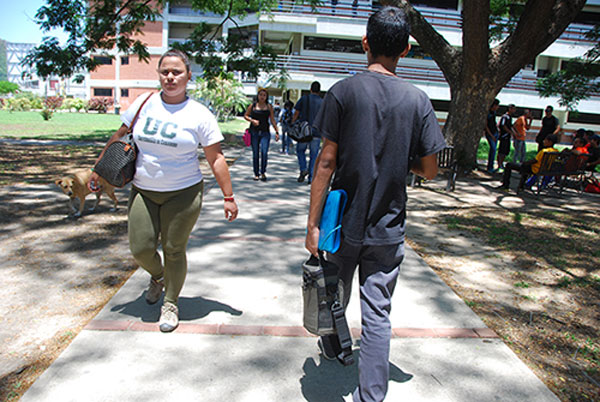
(378, 268)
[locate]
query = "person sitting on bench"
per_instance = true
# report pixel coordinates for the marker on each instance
(528, 167)
(594, 151)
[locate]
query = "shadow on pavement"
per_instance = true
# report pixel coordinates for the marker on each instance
(329, 381)
(190, 308)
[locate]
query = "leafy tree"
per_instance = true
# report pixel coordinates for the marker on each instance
(223, 94)
(477, 72)
(98, 26)
(579, 80)
(92, 27)
(8, 87)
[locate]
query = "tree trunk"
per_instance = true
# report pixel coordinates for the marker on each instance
(476, 73)
(465, 123)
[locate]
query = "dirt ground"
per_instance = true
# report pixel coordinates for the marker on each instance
(527, 265)
(544, 302)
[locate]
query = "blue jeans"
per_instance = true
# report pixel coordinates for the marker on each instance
(260, 146)
(519, 151)
(378, 268)
(286, 141)
(301, 147)
(493, 142)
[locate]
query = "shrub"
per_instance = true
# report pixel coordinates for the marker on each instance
(46, 113)
(100, 104)
(53, 102)
(18, 104)
(74, 103)
(36, 103)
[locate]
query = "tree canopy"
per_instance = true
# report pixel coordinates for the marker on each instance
(98, 27)
(8, 87)
(579, 80)
(477, 71)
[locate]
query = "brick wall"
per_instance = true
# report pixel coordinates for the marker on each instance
(140, 70)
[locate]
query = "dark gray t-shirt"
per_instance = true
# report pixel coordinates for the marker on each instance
(380, 123)
(309, 106)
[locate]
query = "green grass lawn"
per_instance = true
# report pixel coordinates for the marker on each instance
(530, 150)
(76, 126)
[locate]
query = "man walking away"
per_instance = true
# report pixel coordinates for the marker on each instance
(521, 126)
(506, 133)
(306, 110)
(376, 128)
(550, 125)
(491, 134)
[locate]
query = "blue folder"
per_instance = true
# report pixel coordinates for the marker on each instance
(331, 221)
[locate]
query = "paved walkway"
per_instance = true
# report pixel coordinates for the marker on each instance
(241, 335)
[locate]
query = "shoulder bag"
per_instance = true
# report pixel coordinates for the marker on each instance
(300, 131)
(323, 310)
(117, 165)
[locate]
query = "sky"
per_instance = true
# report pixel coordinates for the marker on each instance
(17, 22)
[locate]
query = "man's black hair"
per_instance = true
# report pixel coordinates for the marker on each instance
(315, 87)
(553, 138)
(387, 32)
(495, 103)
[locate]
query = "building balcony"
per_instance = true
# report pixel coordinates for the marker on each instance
(412, 72)
(441, 19)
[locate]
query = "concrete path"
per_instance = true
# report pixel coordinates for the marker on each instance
(241, 335)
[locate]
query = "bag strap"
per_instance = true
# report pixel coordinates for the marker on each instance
(343, 333)
(137, 114)
(340, 324)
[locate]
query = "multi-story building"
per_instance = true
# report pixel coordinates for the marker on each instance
(28, 80)
(324, 45)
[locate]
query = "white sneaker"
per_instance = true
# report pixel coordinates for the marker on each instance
(169, 317)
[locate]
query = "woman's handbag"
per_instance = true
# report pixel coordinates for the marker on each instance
(247, 138)
(117, 165)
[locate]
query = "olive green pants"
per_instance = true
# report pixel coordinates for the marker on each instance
(168, 217)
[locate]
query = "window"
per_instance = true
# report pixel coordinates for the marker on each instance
(103, 92)
(440, 105)
(333, 44)
(103, 60)
(124, 60)
(448, 4)
(584, 118)
(124, 92)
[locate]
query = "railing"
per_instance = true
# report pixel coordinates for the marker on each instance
(445, 19)
(324, 65)
(190, 12)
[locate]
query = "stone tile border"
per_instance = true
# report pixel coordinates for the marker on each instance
(290, 330)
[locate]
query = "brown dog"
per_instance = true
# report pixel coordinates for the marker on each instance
(75, 186)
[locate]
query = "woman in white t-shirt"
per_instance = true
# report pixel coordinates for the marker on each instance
(166, 193)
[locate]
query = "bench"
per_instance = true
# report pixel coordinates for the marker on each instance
(446, 161)
(562, 166)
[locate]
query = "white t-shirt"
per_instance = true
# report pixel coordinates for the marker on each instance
(167, 137)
